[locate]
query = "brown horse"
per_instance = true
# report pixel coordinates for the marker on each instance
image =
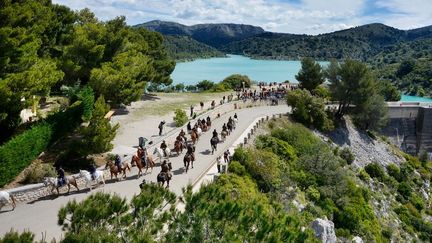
(114, 170)
(178, 147)
(188, 160)
(194, 136)
(140, 165)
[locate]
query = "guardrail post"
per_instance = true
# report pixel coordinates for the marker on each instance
(280, 115)
(245, 141)
(267, 118)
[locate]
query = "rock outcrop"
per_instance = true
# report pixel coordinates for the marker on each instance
(324, 230)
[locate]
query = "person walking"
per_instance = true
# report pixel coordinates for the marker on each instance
(161, 124)
(227, 156)
(219, 163)
(202, 105)
(191, 110)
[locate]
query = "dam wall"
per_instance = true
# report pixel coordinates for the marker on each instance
(410, 126)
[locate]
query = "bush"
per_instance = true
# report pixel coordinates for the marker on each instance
(277, 146)
(404, 189)
(205, 85)
(36, 173)
(309, 110)
(236, 81)
(347, 155)
(394, 171)
(180, 117)
(375, 171)
(21, 150)
(236, 168)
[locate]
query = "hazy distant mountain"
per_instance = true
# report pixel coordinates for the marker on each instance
(215, 35)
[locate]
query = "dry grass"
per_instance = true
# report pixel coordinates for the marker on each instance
(160, 104)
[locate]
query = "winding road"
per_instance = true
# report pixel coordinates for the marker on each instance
(40, 216)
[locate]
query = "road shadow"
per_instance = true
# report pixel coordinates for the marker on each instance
(151, 97)
(55, 196)
(179, 171)
(206, 152)
(6, 211)
(121, 111)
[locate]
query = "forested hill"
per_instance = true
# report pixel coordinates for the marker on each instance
(215, 35)
(360, 43)
(184, 48)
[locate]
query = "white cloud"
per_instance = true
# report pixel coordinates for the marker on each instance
(306, 16)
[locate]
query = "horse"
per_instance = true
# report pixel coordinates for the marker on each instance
(114, 170)
(208, 124)
(160, 153)
(139, 163)
(224, 134)
(7, 198)
(53, 183)
(99, 177)
(178, 147)
(213, 142)
(163, 177)
(204, 127)
(188, 160)
(194, 136)
(230, 127)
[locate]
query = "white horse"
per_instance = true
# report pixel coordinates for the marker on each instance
(99, 177)
(53, 183)
(160, 153)
(235, 122)
(6, 198)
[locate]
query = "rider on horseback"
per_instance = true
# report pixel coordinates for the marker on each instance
(208, 119)
(215, 134)
(189, 127)
(92, 170)
(163, 146)
(117, 162)
(190, 151)
(224, 127)
(142, 153)
(61, 176)
(182, 134)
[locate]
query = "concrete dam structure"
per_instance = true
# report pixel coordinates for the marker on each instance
(410, 126)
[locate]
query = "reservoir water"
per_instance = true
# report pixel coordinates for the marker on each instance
(216, 69)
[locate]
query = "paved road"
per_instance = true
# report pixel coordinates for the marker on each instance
(41, 216)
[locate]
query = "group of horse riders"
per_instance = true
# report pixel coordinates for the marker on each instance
(180, 141)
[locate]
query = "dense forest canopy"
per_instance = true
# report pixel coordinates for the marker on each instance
(45, 46)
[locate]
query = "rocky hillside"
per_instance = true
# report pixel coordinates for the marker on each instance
(365, 149)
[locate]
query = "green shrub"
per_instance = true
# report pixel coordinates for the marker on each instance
(205, 85)
(313, 194)
(36, 173)
(375, 171)
(236, 81)
(347, 155)
(21, 150)
(236, 168)
(13, 236)
(394, 171)
(297, 136)
(363, 175)
(404, 189)
(180, 117)
(277, 146)
(309, 110)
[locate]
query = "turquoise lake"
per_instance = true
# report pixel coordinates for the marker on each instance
(216, 69)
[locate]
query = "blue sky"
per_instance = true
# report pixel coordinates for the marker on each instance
(288, 16)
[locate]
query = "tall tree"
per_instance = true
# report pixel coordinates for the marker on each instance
(310, 75)
(351, 84)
